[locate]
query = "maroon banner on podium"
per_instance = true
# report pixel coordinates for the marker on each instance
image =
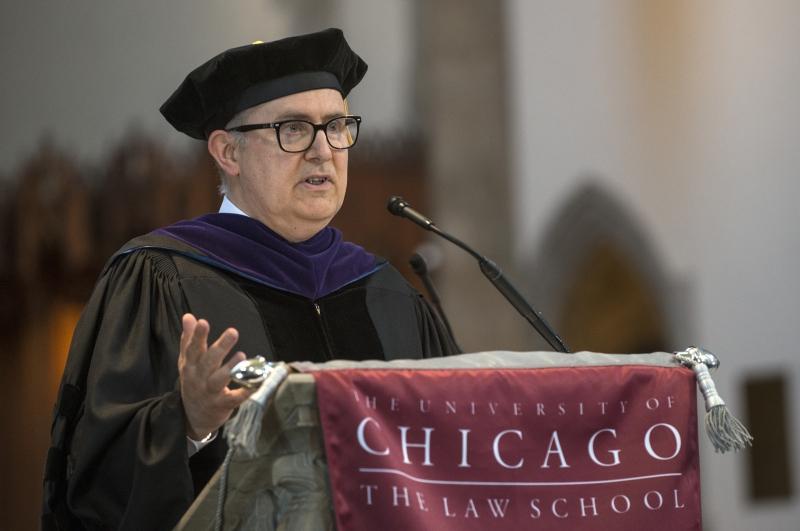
(550, 449)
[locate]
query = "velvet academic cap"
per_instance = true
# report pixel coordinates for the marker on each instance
(247, 76)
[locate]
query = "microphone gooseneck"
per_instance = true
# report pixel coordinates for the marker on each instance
(420, 267)
(400, 207)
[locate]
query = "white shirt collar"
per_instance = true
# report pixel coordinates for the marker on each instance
(227, 207)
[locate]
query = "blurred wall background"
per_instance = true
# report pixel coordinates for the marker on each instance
(632, 166)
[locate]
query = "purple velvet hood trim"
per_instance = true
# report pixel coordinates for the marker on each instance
(313, 268)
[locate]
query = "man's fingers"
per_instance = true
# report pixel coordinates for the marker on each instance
(188, 322)
(220, 378)
(234, 397)
(198, 342)
(236, 358)
(216, 352)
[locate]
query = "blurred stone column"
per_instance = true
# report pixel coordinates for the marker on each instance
(462, 97)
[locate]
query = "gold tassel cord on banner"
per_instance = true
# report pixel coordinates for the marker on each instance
(724, 430)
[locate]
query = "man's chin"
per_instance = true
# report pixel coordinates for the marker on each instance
(320, 210)
(319, 220)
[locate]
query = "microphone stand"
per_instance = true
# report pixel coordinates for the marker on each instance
(420, 267)
(399, 207)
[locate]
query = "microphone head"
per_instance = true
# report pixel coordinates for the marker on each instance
(418, 264)
(396, 205)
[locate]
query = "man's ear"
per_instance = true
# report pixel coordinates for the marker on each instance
(222, 146)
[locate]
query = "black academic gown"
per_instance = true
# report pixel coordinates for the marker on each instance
(119, 417)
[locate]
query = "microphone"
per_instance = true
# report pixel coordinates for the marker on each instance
(420, 267)
(400, 207)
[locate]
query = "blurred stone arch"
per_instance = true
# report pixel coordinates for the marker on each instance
(598, 278)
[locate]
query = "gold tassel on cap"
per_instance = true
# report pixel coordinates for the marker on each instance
(724, 430)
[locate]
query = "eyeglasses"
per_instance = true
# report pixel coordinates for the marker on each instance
(295, 136)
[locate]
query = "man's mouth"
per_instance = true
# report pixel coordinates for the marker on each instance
(317, 180)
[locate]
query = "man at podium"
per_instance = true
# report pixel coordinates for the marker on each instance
(145, 390)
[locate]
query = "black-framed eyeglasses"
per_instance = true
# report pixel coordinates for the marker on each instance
(295, 136)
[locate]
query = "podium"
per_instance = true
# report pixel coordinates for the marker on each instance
(286, 482)
(496, 440)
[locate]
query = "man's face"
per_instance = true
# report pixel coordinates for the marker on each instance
(295, 194)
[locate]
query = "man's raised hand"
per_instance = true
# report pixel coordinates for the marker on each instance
(207, 400)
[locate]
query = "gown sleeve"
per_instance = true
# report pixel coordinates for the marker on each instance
(129, 467)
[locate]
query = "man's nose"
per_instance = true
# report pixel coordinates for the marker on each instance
(320, 149)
